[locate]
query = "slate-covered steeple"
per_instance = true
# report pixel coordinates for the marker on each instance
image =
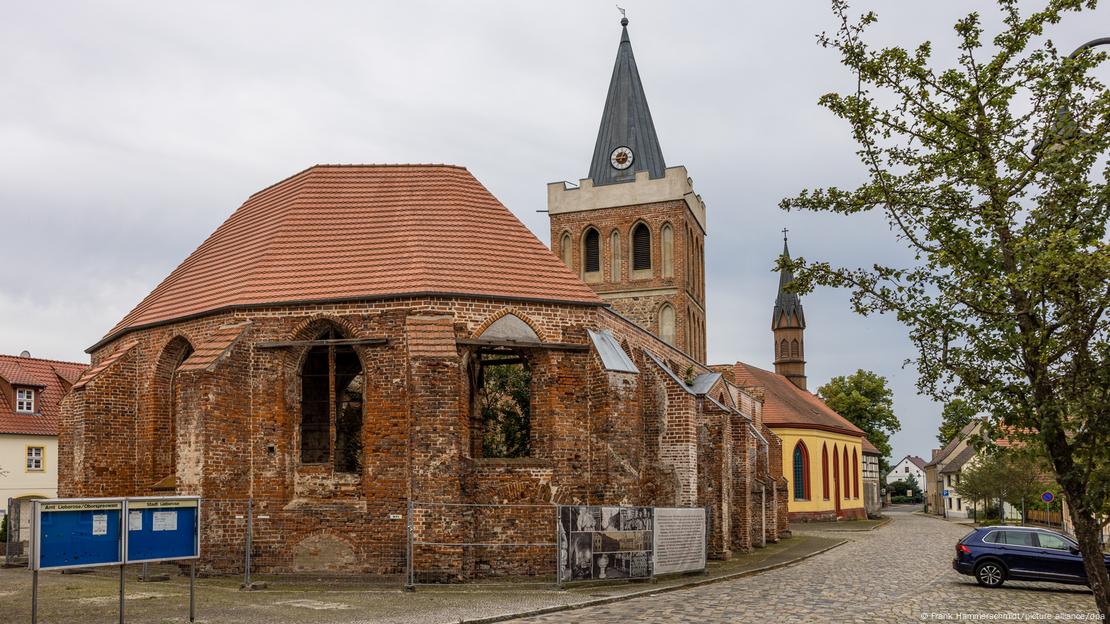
(626, 122)
(788, 305)
(788, 325)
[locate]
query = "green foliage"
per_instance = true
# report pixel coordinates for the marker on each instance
(1011, 475)
(956, 415)
(899, 488)
(992, 171)
(506, 410)
(4, 530)
(865, 400)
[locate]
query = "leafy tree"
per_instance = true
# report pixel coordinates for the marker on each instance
(4, 530)
(956, 415)
(506, 408)
(901, 486)
(992, 172)
(865, 400)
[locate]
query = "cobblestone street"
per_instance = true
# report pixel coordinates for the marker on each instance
(898, 573)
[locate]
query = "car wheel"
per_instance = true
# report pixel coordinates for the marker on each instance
(990, 574)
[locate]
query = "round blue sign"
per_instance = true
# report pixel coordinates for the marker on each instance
(1047, 497)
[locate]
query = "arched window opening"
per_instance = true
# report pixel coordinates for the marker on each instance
(166, 408)
(564, 249)
(784, 349)
(855, 474)
(615, 256)
(641, 247)
(847, 486)
(666, 323)
(836, 473)
(801, 472)
(332, 389)
(794, 348)
(825, 471)
(666, 241)
(591, 251)
(501, 403)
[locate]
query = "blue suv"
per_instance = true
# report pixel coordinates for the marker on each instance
(997, 553)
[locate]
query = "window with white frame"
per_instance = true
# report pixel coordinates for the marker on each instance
(34, 458)
(25, 401)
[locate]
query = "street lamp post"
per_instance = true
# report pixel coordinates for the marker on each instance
(1063, 127)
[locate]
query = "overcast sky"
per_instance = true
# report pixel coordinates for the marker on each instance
(130, 130)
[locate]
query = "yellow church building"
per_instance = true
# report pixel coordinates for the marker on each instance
(822, 452)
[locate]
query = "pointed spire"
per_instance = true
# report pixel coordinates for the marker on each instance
(626, 122)
(788, 305)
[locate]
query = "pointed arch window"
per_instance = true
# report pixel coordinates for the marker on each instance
(564, 249)
(784, 349)
(615, 256)
(837, 485)
(794, 348)
(641, 247)
(847, 486)
(855, 474)
(666, 323)
(591, 251)
(332, 387)
(666, 241)
(801, 471)
(825, 471)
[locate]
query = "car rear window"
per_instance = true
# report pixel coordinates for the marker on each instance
(1015, 538)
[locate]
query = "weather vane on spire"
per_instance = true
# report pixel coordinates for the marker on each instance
(624, 17)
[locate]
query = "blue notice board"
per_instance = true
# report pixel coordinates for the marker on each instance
(77, 533)
(163, 528)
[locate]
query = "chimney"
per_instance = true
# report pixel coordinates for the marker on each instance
(935, 453)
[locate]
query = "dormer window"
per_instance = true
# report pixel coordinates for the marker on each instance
(25, 401)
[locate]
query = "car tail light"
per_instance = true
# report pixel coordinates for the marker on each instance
(960, 548)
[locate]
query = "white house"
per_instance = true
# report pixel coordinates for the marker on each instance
(31, 392)
(910, 465)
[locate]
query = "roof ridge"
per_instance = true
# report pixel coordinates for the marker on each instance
(352, 165)
(38, 359)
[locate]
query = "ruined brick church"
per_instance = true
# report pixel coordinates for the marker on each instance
(356, 337)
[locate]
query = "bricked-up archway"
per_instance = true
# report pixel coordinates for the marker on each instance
(161, 421)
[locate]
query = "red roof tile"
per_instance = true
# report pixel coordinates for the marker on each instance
(336, 232)
(91, 373)
(51, 380)
(869, 448)
(208, 353)
(786, 405)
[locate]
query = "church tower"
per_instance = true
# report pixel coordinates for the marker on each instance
(788, 324)
(634, 230)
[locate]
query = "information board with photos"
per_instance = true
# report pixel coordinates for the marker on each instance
(600, 543)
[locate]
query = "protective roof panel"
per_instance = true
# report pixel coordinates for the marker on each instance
(613, 357)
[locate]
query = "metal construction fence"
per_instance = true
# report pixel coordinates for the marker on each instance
(15, 542)
(411, 544)
(452, 542)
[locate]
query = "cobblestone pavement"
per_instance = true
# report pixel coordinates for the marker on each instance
(898, 573)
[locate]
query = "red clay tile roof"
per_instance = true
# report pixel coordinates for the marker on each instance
(50, 379)
(91, 373)
(349, 232)
(786, 405)
(869, 448)
(208, 353)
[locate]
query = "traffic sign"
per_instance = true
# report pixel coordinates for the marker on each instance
(946, 494)
(1048, 497)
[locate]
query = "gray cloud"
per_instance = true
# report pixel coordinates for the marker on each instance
(131, 130)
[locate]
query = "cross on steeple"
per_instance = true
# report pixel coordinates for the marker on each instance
(784, 231)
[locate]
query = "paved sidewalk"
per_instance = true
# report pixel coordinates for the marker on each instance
(898, 573)
(93, 598)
